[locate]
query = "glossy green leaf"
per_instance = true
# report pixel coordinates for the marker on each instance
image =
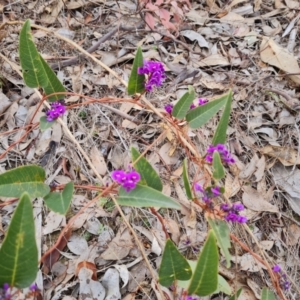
(219, 171)
(19, 252)
(28, 179)
(202, 114)
(205, 278)
(223, 286)
(183, 105)
(173, 265)
(145, 196)
(44, 124)
(236, 296)
(266, 294)
(136, 82)
(186, 181)
(60, 202)
(54, 85)
(148, 174)
(220, 133)
(32, 66)
(222, 233)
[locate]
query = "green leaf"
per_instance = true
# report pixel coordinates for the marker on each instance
(183, 105)
(205, 278)
(148, 174)
(54, 85)
(236, 296)
(145, 196)
(186, 181)
(222, 233)
(223, 286)
(32, 66)
(219, 171)
(266, 294)
(202, 114)
(44, 124)
(19, 252)
(173, 265)
(28, 179)
(220, 133)
(136, 82)
(60, 202)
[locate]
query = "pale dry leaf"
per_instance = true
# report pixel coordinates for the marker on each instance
(53, 222)
(88, 288)
(124, 274)
(277, 56)
(138, 273)
(164, 153)
(155, 248)
(293, 235)
(111, 283)
(250, 168)
(173, 228)
(266, 245)
(197, 16)
(292, 4)
(105, 236)
(260, 171)
(286, 155)
(77, 244)
(93, 226)
(4, 103)
(195, 36)
(232, 186)
(248, 263)
(53, 11)
(255, 201)
(98, 161)
(254, 287)
(213, 60)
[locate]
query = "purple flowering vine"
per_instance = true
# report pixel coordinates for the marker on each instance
(128, 180)
(284, 283)
(223, 151)
(57, 109)
(233, 213)
(208, 194)
(155, 72)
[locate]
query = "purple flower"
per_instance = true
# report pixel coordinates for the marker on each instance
(202, 101)
(5, 286)
(223, 151)
(233, 213)
(192, 106)
(242, 219)
(169, 108)
(276, 268)
(232, 217)
(127, 180)
(57, 109)
(237, 207)
(155, 72)
(209, 193)
(216, 191)
(33, 287)
(225, 207)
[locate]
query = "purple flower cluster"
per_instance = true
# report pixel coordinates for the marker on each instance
(201, 101)
(169, 108)
(57, 109)
(127, 180)
(155, 72)
(6, 293)
(223, 151)
(233, 213)
(208, 193)
(285, 284)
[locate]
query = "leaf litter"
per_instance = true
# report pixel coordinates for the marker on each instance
(249, 47)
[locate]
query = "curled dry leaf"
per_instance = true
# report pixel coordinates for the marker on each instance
(286, 155)
(111, 284)
(277, 56)
(254, 200)
(293, 235)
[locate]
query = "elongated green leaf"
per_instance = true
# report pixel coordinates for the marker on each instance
(236, 296)
(28, 179)
(219, 171)
(202, 114)
(60, 202)
(173, 266)
(32, 66)
(19, 253)
(186, 181)
(53, 83)
(220, 133)
(136, 82)
(223, 286)
(205, 278)
(148, 174)
(44, 124)
(222, 233)
(145, 196)
(183, 105)
(266, 294)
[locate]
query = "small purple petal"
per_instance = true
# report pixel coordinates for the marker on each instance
(119, 176)
(276, 268)
(238, 206)
(169, 108)
(216, 191)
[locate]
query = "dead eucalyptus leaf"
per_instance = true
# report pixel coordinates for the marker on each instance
(286, 155)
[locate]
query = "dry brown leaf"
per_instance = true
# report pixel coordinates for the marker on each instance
(286, 155)
(213, 60)
(293, 235)
(254, 287)
(279, 57)
(164, 152)
(98, 161)
(255, 201)
(250, 168)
